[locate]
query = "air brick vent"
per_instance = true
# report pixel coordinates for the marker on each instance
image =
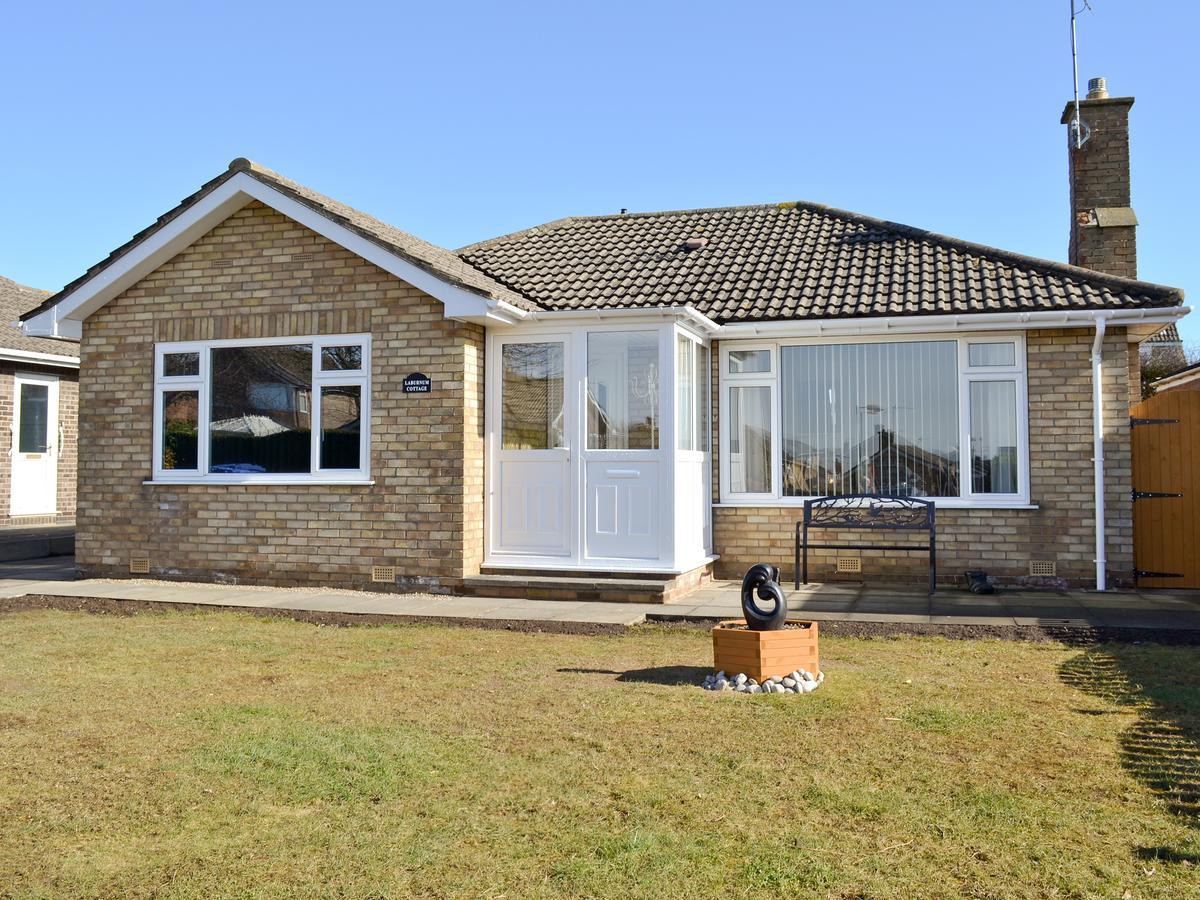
(1043, 568)
(849, 564)
(139, 565)
(383, 574)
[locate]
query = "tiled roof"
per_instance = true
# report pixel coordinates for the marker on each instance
(15, 300)
(1169, 335)
(433, 259)
(787, 261)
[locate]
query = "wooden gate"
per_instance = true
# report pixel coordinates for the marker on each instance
(1166, 490)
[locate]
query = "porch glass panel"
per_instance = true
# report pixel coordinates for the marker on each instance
(622, 390)
(532, 396)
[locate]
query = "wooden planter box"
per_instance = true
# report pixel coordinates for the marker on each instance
(761, 654)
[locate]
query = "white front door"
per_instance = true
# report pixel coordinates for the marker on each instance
(532, 513)
(622, 459)
(34, 446)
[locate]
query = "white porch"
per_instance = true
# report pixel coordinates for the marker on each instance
(598, 453)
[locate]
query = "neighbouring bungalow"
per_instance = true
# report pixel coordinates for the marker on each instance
(278, 388)
(39, 380)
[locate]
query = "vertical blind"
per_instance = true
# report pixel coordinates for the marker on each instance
(870, 418)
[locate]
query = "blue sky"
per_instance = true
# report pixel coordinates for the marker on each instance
(466, 120)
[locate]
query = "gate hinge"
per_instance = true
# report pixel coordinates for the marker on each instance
(1135, 422)
(1152, 495)
(1140, 574)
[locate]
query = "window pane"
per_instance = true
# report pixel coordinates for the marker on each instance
(750, 440)
(871, 419)
(994, 437)
(685, 401)
(181, 429)
(341, 426)
(622, 396)
(532, 395)
(703, 371)
(742, 362)
(35, 419)
(261, 409)
(337, 358)
(1003, 354)
(176, 364)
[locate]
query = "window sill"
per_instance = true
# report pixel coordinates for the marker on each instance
(939, 504)
(261, 482)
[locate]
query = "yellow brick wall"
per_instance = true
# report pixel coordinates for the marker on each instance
(259, 274)
(1002, 542)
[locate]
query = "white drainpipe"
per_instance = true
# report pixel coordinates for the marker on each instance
(1098, 449)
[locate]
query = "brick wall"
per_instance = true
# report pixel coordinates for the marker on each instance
(68, 409)
(259, 274)
(1002, 542)
(1099, 173)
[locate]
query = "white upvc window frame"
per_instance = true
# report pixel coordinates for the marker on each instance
(966, 375)
(700, 410)
(202, 384)
(769, 380)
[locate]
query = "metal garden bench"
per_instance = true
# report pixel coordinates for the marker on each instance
(868, 512)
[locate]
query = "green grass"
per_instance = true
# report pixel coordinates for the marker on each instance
(216, 754)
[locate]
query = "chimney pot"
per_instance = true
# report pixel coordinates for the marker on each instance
(1097, 88)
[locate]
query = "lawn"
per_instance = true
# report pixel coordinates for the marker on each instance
(202, 754)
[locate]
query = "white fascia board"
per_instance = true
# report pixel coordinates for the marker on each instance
(949, 323)
(631, 314)
(212, 209)
(45, 359)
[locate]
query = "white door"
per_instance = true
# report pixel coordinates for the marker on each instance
(531, 509)
(34, 446)
(622, 453)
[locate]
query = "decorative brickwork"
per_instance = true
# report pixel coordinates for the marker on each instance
(259, 274)
(1002, 542)
(68, 411)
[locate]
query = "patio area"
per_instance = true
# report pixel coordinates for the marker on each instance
(951, 606)
(1157, 609)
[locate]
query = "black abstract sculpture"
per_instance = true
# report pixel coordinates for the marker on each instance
(764, 580)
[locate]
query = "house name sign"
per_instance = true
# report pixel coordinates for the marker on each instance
(417, 383)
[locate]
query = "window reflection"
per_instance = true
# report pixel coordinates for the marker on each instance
(180, 434)
(994, 437)
(341, 426)
(750, 440)
(532, 396)
(261, 417)
(622, 393)
(871, 418)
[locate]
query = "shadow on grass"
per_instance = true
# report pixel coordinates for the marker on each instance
(671, 675)
(1162, 748)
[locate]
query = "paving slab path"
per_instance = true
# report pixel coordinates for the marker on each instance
(718, 600)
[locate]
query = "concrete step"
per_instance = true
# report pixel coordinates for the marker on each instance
(21, 543)
(610, 589)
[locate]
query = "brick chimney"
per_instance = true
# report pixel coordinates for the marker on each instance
(1103, 225)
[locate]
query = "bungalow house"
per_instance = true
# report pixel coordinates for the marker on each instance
(38, 401)
(279, 388)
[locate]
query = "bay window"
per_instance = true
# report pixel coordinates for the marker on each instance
(262, 410)
(939, 417)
